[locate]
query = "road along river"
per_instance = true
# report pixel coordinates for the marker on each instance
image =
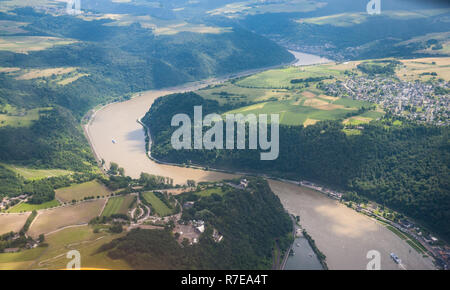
(343, 235)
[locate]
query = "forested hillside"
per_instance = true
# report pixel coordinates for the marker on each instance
(250, 221)
(399, 164)
(58, 67)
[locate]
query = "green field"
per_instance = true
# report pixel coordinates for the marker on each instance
(210, 191)
(350, 19)
(303, 103)
(298, 109)
(83, 240)
(80, 238)
(34, 174)
(80, 191)
(22, 207)
(21, 118)
(281, 78)
(20, 260)
(157, 205)
(118, 205)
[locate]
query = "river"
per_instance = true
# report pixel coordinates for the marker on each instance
(304, 257)
(343, 235)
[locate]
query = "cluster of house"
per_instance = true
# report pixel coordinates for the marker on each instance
(414, 100)
(440, 252)
(243, 183)
(31, 244)
(199, 226)
(9, 201)
(192, 230)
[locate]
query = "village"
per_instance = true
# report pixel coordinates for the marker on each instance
(424, 102)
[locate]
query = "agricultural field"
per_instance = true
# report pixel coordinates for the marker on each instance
(80, 191)
(210, 191)
(55, 76)
(53, 219)
(25, 44)
(304, 109)
(28, 207)
(21, 260)
(29, 74)
(281, 78)
(35, 174)
(20, 117)
(157, 205)
(158, 26)
(421, 68)
(340, 20)
(82, 239)
(364, 118)
(12, 222)
(350, 19)
(118, 205)
(298, 103)
(254, 7)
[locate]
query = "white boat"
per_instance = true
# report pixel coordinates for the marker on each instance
(113, 141)
(396, 258)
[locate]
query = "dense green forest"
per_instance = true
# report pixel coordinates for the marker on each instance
(54, 141)
(405, 167)
(250, 221)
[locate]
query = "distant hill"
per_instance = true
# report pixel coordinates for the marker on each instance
(348, 34)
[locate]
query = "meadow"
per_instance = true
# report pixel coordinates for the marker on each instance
(20, 118)
(297, 103)
(21, 260)
(210, 191)
(35, 174)
(118, 205)
(253, 7)
(157, 205)
(28, 207)
(81, 238)
(80, 191)
(414, 69)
